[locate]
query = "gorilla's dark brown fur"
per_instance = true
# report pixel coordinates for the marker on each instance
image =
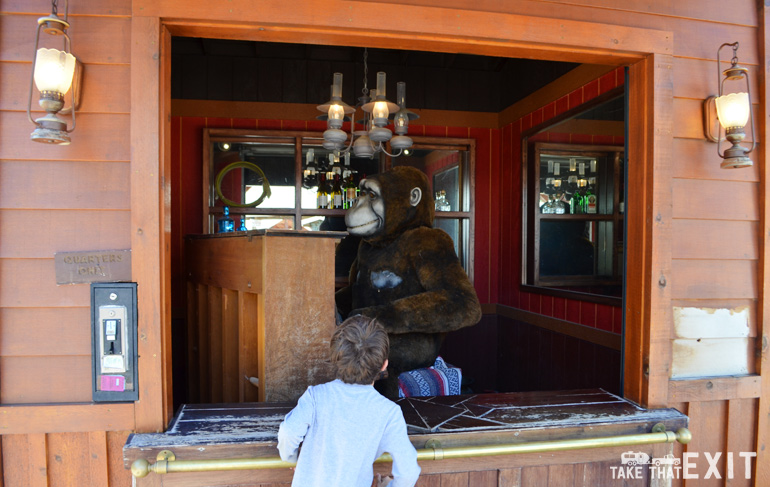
(409, 278)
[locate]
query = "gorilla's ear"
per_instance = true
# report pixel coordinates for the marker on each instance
(415, 196)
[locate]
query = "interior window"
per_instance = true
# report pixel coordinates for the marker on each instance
(263, 181)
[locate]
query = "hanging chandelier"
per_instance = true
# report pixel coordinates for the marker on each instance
(378, 111)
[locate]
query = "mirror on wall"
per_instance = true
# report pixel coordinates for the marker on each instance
(574, 202)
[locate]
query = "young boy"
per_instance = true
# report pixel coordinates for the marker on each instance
(345, 424)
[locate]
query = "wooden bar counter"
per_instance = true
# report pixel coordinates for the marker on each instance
(239, 431)
(260, 313)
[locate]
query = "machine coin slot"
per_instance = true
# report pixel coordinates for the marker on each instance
(114, 341)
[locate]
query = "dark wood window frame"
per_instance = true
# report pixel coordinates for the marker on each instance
(615, 216)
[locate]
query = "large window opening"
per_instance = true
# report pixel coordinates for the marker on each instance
(527, 340)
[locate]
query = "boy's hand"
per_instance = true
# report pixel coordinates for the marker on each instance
(383, 481)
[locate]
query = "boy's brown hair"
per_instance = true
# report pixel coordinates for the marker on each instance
(359, 348)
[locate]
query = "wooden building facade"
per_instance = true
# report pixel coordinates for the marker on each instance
(699, 239)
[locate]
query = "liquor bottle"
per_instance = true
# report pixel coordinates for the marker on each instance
(243, 228)
(322, 195)
(558, 204)
(358, 187)
(351, 191)
(442, 204)
(581, 192)
(590, 198)
(336, 194)
(574, 203)
(549, 207)
(445, 205)
(225, 223)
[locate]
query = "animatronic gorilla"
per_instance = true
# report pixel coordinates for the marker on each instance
(406, 274)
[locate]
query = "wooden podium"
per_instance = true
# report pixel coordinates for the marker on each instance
(260, 314)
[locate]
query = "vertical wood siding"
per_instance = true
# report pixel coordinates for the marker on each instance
(56, 199)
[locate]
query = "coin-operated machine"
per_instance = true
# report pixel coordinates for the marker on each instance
(114, 341)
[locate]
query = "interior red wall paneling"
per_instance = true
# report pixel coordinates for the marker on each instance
(496, 193)
(532, 301)
(559, 308)
(177, 207)
(581, 139)
(218, 122)
(506, 207)
(559, 138)
(482, 269)
(618, 140)
(190, 174)
(536, 303)
(514, 224)
(549, 111)
(299, 125)
(269, 124)
(617, 320)
(591, 90)
(576, 98)
(413, 129)
(435, 131)
(573, 311)
(588, 314)
(620, 75)
(459, 132)
(243, 123)
(537, 117)
(320, 126)
(526, 122)
(603, 139)
(562, 105)
(608, 82)
(546, 305)
(514, 296)
(604, 317)
(524, 300)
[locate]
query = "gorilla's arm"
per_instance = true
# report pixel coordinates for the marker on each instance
(448, 301)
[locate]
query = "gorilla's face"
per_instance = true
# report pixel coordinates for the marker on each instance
(367, 216)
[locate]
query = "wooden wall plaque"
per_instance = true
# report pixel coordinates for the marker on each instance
(92, 266)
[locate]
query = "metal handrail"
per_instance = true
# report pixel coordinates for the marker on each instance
(167, 463)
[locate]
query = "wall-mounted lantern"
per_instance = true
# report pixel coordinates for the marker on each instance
(733, 111)
(53, 72)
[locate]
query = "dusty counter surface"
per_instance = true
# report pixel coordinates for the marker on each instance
(248, 430)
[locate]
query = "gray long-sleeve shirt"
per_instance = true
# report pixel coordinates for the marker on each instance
(343, 428)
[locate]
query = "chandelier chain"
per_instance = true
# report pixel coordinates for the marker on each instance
(365, 89)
